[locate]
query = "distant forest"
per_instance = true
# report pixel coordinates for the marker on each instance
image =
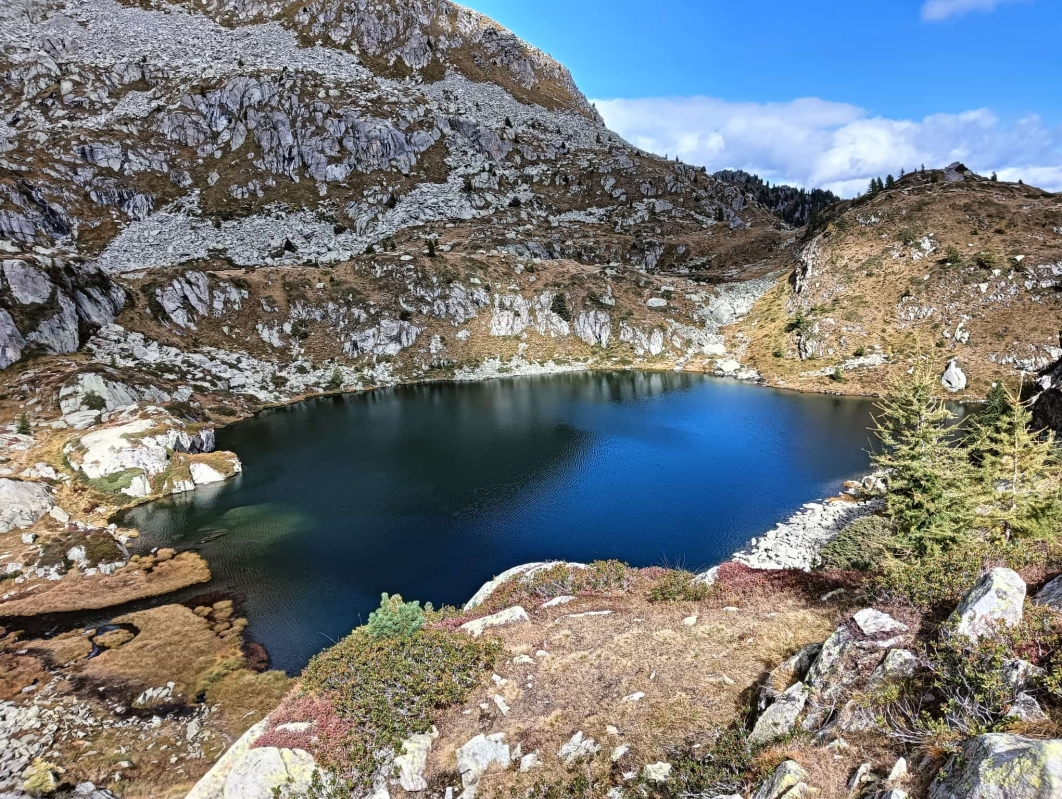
(794, 206)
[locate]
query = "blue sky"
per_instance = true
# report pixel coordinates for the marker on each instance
(824, 93)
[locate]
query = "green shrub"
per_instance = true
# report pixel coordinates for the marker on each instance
(395, 618)
(861, 546)
(952, 256)
(727, 765)
(678, 586)
(23, 427)
(860, 352)
(939, 580)
(384, 690)
(94, 402)
(561, 579)
(335, 382)
(838, 375)
(114, 483)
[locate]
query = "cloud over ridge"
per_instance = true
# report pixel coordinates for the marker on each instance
(818, 143)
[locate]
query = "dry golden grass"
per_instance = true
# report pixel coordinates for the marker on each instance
(92, 592)
(172, 644)
(694, 677)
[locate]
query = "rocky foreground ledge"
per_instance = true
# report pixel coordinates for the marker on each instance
(818, 694)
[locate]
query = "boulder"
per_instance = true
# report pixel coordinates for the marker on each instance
(203, 474)
(479, 754)
(1002, 766)
(488, 588)
(244, 772)
(1051, 594)
(873, 622)
(789, 780)
(511, 615)
(414, 758)
(996, 599)
(578, 747)
(780, 718)
(899, 664)
(22, 504)
(792, 670)
(270, 773)
(954, 379)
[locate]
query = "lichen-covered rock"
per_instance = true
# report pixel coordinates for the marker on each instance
(792, 670)
(1001, 766)
(997, 599)
(411, 763)
(789, 780)
(780, 717)
(1051, 594)
(244, 772)
(22, 504)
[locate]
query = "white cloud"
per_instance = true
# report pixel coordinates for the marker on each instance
(937, 10)
(812, 142)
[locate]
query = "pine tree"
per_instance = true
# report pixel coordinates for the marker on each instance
(890, 181)
(930, 482)
(23, 426)
(873, 186)
(1019, 473)
(996, 406)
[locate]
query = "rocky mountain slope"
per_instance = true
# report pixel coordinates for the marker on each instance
(207, 208)
(944, 264)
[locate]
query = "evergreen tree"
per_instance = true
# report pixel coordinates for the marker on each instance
(997, 405)
(890, 181)
(1019, 473)
(873, 186)
(930, 482)
(23, 426)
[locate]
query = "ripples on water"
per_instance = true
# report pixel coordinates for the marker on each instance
(430, 490)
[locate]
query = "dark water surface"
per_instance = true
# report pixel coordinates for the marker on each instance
(431, 490)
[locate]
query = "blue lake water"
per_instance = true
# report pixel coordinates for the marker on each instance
(430, 490)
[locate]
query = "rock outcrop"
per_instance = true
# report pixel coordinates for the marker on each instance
(22, 503)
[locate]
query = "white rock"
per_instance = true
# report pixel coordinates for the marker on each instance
(874, 622)
(656, 772)
(578, 747)
(204, 474)
(413, 760)
(954, 379)
(996, 599)
(780, 717)
(511, 615)
(479, 754)
(22, 504)
(560, 600)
